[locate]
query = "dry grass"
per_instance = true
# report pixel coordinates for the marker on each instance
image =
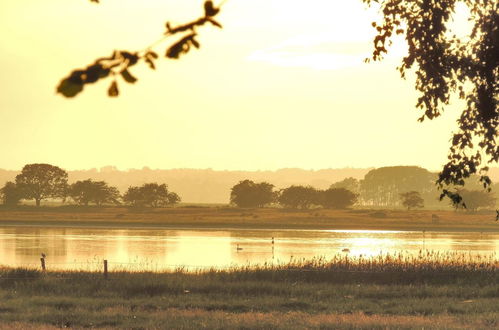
(216, 217)
(431, 291)
(201, 319)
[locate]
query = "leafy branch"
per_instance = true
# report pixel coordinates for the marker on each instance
(120, 62)
(446, 65)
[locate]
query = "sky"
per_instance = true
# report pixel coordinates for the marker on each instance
(283, 85)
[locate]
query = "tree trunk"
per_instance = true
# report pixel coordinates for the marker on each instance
(38, 200)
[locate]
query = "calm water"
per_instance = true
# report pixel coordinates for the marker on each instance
(73, 248)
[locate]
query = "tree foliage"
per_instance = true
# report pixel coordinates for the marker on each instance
(412, 199)
(97, 192)
(42, 181)
(446, 65)
(350, 183)
(150, 195)
(121, 61)
(299, 197)
(476, 199)
(383, 186)
(10, 194)
(337, 198)
(250, 194)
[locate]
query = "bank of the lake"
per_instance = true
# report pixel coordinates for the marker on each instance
(269, 218)
(376, 294)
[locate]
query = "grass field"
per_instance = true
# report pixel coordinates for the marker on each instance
(272, 218)
(428, 291)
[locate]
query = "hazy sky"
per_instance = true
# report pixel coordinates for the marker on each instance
(282, 85)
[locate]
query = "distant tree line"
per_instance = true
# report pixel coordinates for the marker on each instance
(40, 182)
(409, 187)
(250, 194)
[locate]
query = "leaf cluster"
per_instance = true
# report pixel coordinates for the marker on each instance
(120, 62)
(446, 65)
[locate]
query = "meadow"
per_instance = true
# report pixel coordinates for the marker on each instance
(266, 218)
(430, 290)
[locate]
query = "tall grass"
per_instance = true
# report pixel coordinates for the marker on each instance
(430, 290)
(398, 268)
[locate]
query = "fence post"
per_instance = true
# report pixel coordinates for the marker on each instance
(105, 268)
(42, 260)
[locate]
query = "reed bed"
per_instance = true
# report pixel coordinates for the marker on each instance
(426, 266)
(424, 261)
(430, 290)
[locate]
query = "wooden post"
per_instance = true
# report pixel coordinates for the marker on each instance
(105, 268)
(42, 260)
(272, 248)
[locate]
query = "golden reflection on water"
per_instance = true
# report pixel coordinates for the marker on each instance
(83, 248)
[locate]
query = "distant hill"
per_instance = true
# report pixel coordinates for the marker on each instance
(210, 186)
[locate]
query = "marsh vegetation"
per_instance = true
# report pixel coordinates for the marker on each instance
(396, 291)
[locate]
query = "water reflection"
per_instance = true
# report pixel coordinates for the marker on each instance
(68, 248)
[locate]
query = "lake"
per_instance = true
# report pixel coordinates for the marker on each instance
(148, 249)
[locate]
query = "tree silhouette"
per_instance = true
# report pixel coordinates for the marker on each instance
(150, 194)
(337, 198)
(444, 64)
(98, 192)
(349, 183)
(383, 186)
(412, 199)
(250, 194)
(299, 197)
(476, 199)
(10, 194)
(41, 181)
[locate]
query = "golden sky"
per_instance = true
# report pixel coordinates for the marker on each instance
(282, 85)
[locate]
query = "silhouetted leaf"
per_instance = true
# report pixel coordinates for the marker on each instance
(128, 76)
(209, 9)
(180, 47)
(113, 89)
(152, 54)
(69, 88)
(150, 63)
(94, 73)
(132, 58)
(195, 43)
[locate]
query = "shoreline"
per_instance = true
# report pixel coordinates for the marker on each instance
(232, 227)
(219, 219)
